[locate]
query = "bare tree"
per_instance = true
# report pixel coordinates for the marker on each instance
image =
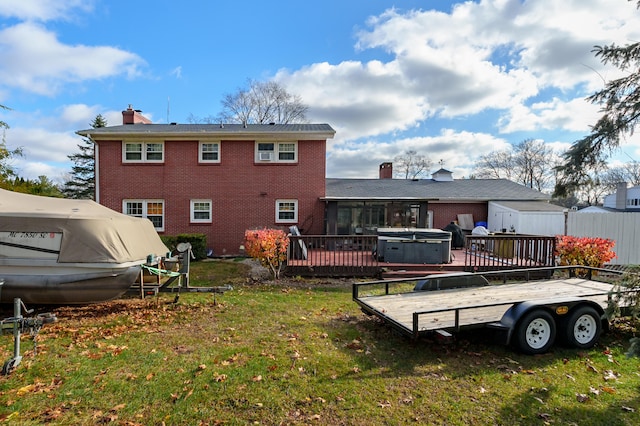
(628, 172)
(530, 163)
(261, 103)
(495, 165)
(411, 165)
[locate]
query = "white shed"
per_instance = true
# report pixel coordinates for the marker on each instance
(526, 217)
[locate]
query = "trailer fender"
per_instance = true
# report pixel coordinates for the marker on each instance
(558, 308)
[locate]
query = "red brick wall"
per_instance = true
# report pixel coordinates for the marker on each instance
(243, 193)
(444, 214)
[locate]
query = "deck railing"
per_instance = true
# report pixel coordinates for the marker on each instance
(352, 255)
(332, 255)
(499, 251)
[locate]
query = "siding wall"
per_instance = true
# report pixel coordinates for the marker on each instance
(623, 228)
(243, 193)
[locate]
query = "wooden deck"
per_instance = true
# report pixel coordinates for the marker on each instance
(353, 255)
(436, 310)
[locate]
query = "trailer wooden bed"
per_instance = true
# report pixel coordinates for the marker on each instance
(499, 306)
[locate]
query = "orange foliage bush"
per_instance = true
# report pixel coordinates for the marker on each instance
(586, 251)
(269, 246)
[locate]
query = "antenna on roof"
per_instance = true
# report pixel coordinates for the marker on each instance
(168, 108)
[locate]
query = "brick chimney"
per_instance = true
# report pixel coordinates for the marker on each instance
(131, 116)
(386, 171)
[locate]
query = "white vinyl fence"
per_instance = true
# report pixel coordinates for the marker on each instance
(623, 228)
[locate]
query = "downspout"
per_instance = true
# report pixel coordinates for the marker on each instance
(95, 169)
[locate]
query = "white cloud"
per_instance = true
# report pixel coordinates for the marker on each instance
(488, 56)
(575, 115)
(45, 149)
(44, 10)
(458, 152)
(35, 61)
(176, 72)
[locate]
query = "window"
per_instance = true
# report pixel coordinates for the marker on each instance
(209, 152)
(201, 211)
(286, 151)
(286, 211)
(266, 151)
(141, 152)
(151, 209)
(282, 152)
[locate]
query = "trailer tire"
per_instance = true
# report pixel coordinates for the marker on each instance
(582, 328)
(536, 332)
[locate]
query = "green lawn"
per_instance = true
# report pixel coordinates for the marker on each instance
(296, 352)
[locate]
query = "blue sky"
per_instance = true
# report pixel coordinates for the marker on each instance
(451, 80)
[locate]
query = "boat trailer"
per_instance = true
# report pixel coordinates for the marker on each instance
(18, 324)
(176, 281)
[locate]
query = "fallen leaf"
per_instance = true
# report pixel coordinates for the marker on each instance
(544, 416)
(580, 397)
(26, 389)
(219, 377)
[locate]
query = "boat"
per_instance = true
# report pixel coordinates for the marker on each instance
(66, 251)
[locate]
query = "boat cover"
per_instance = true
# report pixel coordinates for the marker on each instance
(91, 233)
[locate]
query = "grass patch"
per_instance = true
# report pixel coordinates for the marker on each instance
(296, 352)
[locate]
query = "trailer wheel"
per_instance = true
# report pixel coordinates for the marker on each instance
(583, 327)
(536, 332)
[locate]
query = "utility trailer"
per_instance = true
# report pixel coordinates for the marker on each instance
(531, 315)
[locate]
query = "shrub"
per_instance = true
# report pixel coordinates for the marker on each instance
(585, 251)
(269, 246)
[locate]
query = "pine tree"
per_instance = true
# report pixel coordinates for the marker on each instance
(82, 184)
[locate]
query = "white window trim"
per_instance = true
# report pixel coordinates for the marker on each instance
(144, 152)
(144, 209)
(192, 211)
(295, 211)
(275, 157)
(200, 159)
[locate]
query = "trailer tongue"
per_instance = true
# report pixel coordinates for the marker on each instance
(531, 315)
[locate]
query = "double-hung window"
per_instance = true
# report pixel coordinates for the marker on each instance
(276, 152)
(286, 211)
(142, 152)
(287, 152)
(151, 209)
(209, 152)
(201, 211)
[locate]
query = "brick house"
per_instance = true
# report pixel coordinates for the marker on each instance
(220, 180)
(217, 180)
